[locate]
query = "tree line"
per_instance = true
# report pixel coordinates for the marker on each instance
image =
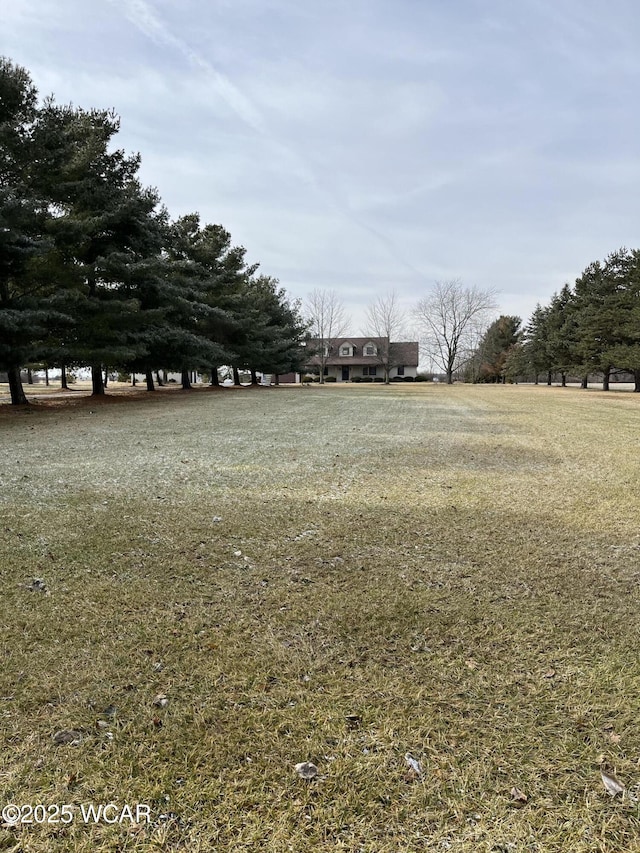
(94, 272)
(588, 330)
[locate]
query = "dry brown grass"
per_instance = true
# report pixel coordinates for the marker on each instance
(446, 572)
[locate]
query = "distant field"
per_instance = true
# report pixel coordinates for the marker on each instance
(233, 582)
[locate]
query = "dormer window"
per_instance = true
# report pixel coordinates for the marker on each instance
(370, 349)
(346, 350)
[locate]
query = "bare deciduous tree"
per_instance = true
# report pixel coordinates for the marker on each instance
(453, 319)
(328, 322)
(385, 320)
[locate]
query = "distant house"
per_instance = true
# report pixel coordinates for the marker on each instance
(347, 359)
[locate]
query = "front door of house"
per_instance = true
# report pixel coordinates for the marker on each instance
(345, 374)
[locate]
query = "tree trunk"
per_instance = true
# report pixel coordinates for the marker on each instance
(549, 377)
(236, 376)
(18, 397)
(106, 376)
(564, 380)
(585, 381)
(186, 382)
(276, 381)
(63, 377)
(149, 378)
(254, 377)
(536, 380)
(97, 383)
(46, 376)
(29, 376)
(215, 379)
(606, 379)
(133, 379)
(159, 379)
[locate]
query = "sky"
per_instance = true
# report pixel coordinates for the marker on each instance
(369, 146)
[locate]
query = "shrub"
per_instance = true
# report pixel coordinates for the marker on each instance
(330, 379)
(356, 378)
(397, 378)
(367, 378)
(407, 378)
(421, 378)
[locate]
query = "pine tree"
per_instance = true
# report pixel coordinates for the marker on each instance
(498, 341)
(29, 308)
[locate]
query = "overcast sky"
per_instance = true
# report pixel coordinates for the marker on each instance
(369, 145)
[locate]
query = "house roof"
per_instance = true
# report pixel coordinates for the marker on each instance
(403, 352)
(406, 352)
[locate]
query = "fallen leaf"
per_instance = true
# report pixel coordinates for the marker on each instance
(518, 796)
(611, 784)
(550, 673)
(161, 701)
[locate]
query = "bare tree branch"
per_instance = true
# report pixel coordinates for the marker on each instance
(453, 319)
(385, 319)
(328, 321)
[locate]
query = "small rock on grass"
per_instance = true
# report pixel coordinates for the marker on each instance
(72, 737)
(306, 770)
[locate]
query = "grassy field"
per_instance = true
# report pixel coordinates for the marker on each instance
(229, 583)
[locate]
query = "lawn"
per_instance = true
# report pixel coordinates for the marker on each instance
(202, 590)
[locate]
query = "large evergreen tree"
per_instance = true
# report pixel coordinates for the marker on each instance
(26, 248)
(607, 297)
(271, 331)
(561, 329)
(537, 355)
(496, 345)
(107, 227)
(622, 348)
(205, 280)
